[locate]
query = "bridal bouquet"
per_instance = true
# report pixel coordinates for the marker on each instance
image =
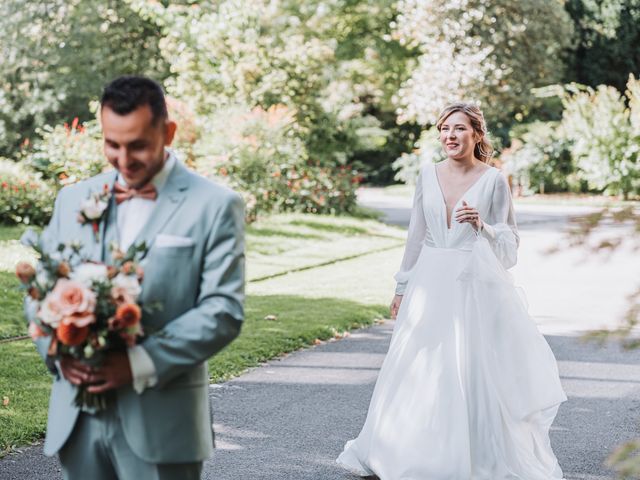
(87, 308)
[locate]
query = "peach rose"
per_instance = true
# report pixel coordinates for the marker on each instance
(71, 335)
(35, 331)
(49, 312)
(128, 283)
(25, 272)
(72, 297)
(121, 296)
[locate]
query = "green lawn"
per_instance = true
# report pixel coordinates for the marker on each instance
(12, 321)
(286, 243)
(313, 278)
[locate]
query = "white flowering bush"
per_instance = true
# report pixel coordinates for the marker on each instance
(428, 149)
(489, 52)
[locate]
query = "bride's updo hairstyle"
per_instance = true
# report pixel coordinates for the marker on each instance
(483, 150)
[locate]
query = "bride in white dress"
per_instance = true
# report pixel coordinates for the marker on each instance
(469, 387)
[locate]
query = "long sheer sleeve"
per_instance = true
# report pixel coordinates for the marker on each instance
(500, 228)
(415, 238)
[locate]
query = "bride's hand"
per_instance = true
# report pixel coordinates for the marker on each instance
(468, 214)
(395, 306)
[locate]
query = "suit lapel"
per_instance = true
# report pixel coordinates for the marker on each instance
(109, 232)
(170, 197)
(105, 227)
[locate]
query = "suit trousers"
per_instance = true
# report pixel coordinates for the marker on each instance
(97, 449)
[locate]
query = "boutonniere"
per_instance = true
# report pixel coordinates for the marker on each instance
(93, 209)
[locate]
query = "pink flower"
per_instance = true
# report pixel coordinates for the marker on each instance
(72, 297)
(121, 296)
(67, 299)
(49, 312)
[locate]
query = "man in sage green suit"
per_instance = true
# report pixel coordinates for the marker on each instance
(158, 424)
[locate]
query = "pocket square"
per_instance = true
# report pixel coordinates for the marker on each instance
(164, 241)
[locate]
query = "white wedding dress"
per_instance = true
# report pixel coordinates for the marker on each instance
(469, 387)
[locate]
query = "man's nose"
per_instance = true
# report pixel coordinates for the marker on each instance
(124, 158)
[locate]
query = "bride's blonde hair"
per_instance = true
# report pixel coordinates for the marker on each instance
(483, 149)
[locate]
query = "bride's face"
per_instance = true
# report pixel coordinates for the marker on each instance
(457, 137)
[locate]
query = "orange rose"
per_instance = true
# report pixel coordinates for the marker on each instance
(64, 269)
(128, 315)
(25, 272)
(71, 335)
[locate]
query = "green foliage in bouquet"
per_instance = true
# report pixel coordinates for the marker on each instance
(25, 198)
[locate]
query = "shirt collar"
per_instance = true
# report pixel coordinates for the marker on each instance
(160, 178)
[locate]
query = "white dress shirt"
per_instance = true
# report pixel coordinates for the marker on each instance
(132, 216)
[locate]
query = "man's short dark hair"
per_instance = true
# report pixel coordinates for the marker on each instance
(125, 94)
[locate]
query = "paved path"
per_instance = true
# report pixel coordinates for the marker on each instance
(289, 419)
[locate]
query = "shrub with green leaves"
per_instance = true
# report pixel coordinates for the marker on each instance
(67, 153)
(539, 160)
(603, 127)
(260, 153)
(24, 197)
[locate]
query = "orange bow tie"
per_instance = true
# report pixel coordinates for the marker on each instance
(124, 193)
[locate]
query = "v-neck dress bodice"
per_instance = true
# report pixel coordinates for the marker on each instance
(489, 194)
(469, 388)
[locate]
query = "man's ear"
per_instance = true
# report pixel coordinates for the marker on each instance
(170, 128)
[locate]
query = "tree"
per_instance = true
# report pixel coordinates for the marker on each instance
(607, 33)
(57, 56)
(491, 52)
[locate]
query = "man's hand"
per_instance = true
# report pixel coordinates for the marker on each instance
(115, 372)
(74, 370)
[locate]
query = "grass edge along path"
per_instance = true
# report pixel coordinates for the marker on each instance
(275, 324)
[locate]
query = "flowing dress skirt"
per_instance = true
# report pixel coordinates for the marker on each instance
(469, 387)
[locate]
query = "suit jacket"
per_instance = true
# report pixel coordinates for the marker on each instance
(201, 290)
